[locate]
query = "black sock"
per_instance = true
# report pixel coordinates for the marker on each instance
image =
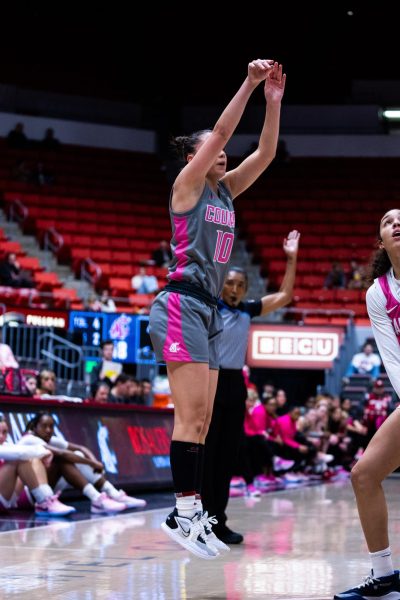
(184, 458)
(200, 470)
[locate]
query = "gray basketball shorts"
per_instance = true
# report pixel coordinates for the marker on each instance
(184, 329)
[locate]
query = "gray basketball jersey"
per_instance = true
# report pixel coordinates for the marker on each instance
(202, 240)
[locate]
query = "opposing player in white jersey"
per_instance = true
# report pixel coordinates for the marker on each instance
(184, 320)
(382, 455)
(76, 465)
(21, 466)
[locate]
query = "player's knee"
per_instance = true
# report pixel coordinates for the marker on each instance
(361, 478)
(197, 426)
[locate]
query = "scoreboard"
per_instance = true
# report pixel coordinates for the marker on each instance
(128, 332)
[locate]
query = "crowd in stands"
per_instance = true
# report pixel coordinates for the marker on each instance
(291, 444)
(18, 140)
(39, 169)
(355, 279)
(108, 382)
(33, 171)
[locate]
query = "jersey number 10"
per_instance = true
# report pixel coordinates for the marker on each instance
(223, 247)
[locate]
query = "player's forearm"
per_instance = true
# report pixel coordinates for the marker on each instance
(232, 114)
(270, 132)
(289, 278)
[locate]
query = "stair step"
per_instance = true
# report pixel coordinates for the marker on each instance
(47, 260)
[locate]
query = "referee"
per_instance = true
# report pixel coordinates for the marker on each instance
(223, 438)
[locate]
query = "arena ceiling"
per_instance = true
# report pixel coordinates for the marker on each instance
(195, 53)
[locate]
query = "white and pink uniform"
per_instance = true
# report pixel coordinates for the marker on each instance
(383, 305)
(10, 453)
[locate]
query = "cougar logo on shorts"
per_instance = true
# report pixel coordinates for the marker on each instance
(174, 347)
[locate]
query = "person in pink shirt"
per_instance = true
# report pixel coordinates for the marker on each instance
(263, 441)
(294, 445)
(254, 453)
(9, 368)
(255, 418)
(7, 358)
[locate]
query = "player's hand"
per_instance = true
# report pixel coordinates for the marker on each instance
(259, 69)
(47, 458)
(275, 84)
(291, 243)
(97, 466)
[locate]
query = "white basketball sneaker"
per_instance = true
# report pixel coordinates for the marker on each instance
(105, 505)
(190, 534)
(208, 522)
(129, 501)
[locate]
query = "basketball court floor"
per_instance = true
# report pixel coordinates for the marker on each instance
(303, 543)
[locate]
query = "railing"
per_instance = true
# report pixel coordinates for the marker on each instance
(63, 357)
(90, 271)
(334, 375)
(40, 347)
(53, 240)
(23, 341)
(283, 315)
(35, 299)
(18, 211)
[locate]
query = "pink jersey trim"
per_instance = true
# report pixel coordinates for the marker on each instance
(392, 305)
(174, 347)
(182, 244)
(390, 300)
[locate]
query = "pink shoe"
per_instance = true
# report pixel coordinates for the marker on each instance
(235, 492)
(282, 465)
(52, 507)
(263, 481)
(238, 482)
(105, 505)
(129, 501)
(253, 492)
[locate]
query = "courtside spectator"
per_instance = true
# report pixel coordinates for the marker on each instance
(93, 304)
(336, 279)
(162, 255)
(365, 362)
(107, 304)
(16, 138)
(102, 393)
(46, 383)
(11, 274)
(7, 358)
(107, 370)
(49, 142)
(145, 392)
(120, 392)
(30, 384)
(143, 283)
